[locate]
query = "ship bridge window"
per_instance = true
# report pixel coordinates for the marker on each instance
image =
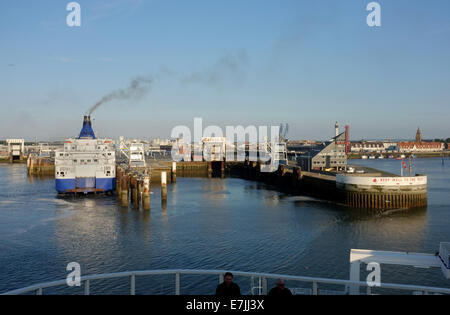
(109, 153)
(89, 161)
(61, 154)
(96, 160)
(75, 161)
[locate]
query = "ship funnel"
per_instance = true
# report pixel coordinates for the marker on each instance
(86, 131)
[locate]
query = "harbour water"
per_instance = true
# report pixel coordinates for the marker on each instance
(209, 224)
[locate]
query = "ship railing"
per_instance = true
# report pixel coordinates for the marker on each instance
(261, 278)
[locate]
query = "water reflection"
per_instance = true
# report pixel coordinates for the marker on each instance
(215, 190)
(207, 224)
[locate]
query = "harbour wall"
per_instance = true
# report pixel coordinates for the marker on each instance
(352, 191)
(365, 192)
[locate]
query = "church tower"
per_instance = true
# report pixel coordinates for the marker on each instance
(418, 136)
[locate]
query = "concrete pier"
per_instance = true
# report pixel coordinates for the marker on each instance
(370, 191)
(386, 192)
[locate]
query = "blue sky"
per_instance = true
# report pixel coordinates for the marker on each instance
(252, 62)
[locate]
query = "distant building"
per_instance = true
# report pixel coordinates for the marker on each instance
(16, 148)
(416, 147)
(418, 136)
(373, 147)
(390, 146)
(367, 146)
(329, 155)
(420, 145)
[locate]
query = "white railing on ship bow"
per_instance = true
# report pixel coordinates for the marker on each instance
(261, 277)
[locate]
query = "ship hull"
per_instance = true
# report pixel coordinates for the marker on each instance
(86, 185)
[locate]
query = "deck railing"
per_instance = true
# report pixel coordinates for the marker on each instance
(261, 279)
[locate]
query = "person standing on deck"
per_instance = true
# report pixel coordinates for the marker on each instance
(228, 288)
(280, 289)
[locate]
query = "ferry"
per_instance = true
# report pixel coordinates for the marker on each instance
(85, 164)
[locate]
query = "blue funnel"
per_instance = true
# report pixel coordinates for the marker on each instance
(86, 131)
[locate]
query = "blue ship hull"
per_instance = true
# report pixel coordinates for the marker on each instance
(89, 184)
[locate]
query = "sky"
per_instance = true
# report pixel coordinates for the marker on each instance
(307, 63)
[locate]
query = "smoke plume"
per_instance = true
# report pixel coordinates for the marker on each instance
(138, 88)
(230, 66)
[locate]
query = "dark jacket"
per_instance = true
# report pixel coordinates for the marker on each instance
(280, 292)
(227, 291)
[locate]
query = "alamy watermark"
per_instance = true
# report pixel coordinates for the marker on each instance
(374, 17)
(237, 143)
(73, 279)
(374, 277)
(74, 17)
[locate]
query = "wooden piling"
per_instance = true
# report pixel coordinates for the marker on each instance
(209, 169)
(146, 193)
(140, 189)
(174, 172)
(124, 192)
(132, 189)
(118, 189)
(164, 186)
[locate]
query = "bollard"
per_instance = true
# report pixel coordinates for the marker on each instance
(146, 193)
(163, 186)
(174, 172)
